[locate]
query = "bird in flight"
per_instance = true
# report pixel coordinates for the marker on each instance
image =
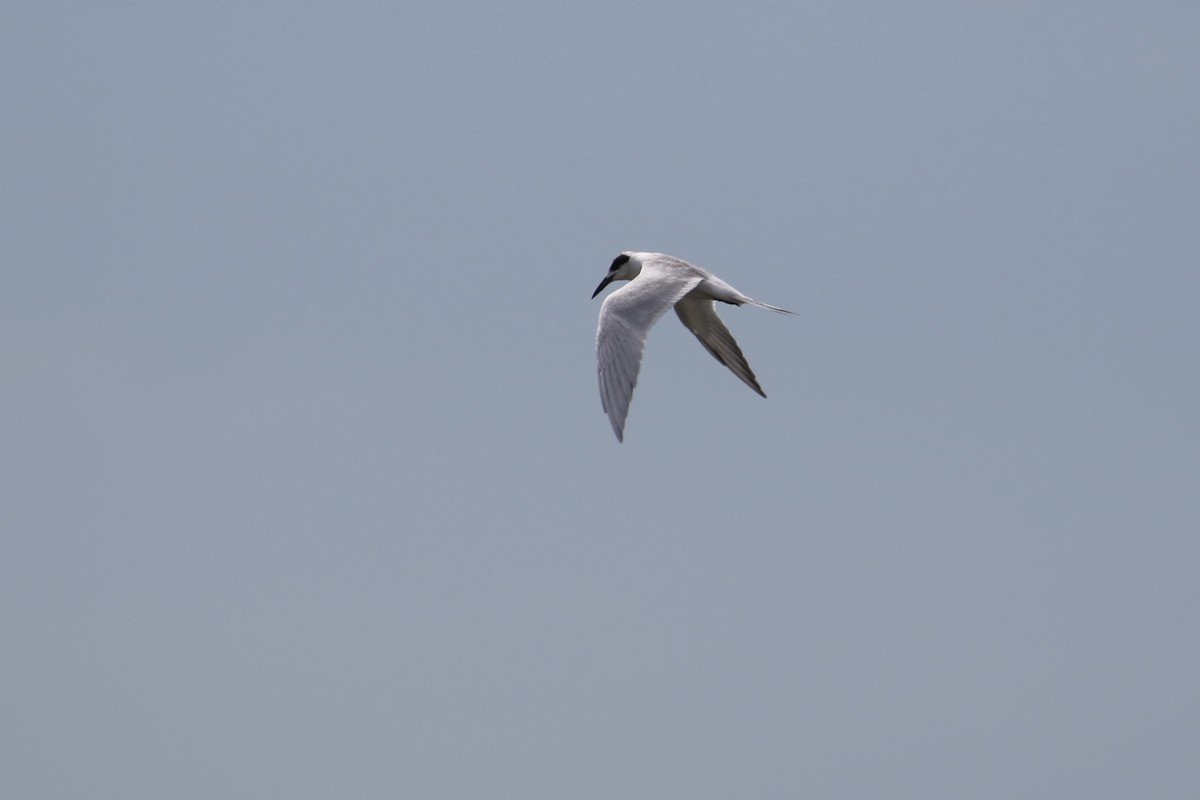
(657, 282)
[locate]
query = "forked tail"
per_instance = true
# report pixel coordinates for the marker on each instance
(768, 307)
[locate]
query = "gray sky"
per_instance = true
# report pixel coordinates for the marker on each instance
(306, 487)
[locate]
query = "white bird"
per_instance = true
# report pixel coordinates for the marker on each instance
(657, 282)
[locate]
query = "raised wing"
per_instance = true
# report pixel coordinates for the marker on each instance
(626, 317)
(698, 313)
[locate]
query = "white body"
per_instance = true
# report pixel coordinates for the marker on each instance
(658, 282)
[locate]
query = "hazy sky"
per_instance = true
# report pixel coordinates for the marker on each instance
(306, 490)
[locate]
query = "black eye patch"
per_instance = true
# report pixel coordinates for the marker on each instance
(619, 261)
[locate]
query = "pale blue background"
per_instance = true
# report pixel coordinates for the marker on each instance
(307, 493)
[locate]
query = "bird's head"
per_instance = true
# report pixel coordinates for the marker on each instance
(625, 267)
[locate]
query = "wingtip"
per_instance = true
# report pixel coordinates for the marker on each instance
(618, 429)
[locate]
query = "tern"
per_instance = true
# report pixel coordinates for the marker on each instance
(657, 282)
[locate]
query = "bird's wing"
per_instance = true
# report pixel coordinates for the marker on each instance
(626, 317)
(698, 313)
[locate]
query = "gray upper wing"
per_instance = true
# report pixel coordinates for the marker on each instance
(698, 313)
(625, 320)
